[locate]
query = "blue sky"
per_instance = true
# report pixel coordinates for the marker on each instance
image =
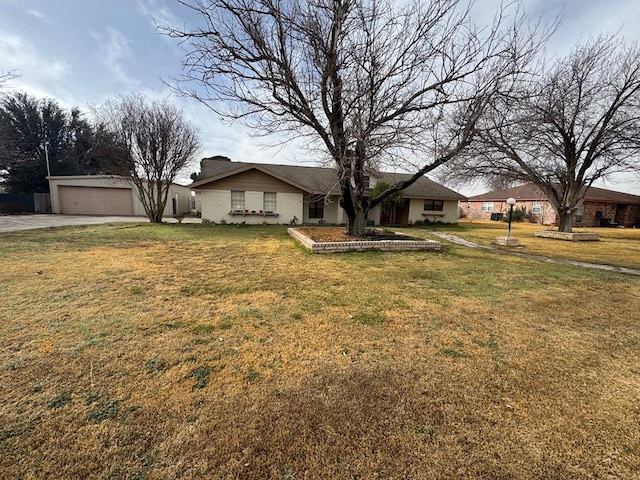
(83, 52)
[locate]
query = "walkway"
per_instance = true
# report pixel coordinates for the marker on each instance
(540, 258)
(13, 223)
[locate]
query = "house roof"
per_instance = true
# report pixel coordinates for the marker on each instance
(99, 177)
(530, 192)
(318, 180)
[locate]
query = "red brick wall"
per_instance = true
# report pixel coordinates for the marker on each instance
(548, 217)
(590, 219)
(628, 215)
(633, 215)
(474, 210)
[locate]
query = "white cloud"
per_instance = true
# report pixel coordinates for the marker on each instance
(157, 13)
(38, 14)
(18, 54)
(114, 53)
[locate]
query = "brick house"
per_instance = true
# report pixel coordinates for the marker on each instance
(601, 207)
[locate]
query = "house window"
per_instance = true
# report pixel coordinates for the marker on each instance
(435, 205)
(316, 209)
(366, 179)
(487, 206)
(269, 202)
(579, 214)
(536, 207)
(237, 200)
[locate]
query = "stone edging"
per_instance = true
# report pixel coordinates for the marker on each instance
(571, 237)
(384, 245)
(508, 241)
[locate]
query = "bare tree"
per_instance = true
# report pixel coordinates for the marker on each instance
(5, 78)
(565, 127)
(159, 142)
(499, 182)
(369, 83)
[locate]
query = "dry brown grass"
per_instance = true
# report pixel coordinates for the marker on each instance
(617, 246)
(192, 352)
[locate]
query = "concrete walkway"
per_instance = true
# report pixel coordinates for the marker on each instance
(540, 258)
(13, 223)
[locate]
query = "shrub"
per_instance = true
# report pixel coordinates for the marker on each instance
(518, 214)
(12, 208)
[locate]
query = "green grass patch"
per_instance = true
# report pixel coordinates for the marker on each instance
(105, 411)
(201, 376)
(60, 401)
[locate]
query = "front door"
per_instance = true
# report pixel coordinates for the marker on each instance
(388, 218)
(402, 213)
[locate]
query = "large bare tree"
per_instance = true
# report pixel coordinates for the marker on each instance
(6, 77)
(159, 143)
(575, 121)
(368, 82)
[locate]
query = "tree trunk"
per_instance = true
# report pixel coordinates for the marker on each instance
(352, 206)
(566, 222)
(357, 223)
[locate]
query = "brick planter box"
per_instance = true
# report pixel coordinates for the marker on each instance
(570, 237)
(384, 245)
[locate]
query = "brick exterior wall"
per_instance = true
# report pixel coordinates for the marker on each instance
(590, 218)
(628, 215)
(474, 210)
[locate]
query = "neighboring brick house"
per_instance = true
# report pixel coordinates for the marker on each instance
(237, 192)
(601, 207)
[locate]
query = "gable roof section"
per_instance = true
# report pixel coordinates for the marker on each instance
(424, 187)
(530, 192)
(318, 180)
(239, 168)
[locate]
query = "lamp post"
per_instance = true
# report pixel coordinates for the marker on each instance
(511, 202)
(46, 156)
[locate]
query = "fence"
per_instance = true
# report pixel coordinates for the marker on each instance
(25, 203)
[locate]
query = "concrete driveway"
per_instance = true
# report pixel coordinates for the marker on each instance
(12, 223)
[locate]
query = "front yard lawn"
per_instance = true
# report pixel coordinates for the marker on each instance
(617, 246)
(205, 351)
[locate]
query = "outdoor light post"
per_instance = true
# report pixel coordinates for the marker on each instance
(46, 157)
(511, 202)
(509, 241)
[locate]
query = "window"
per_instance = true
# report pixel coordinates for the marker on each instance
(316, 209)
(487, 206)
(237, 200)
(536, 207)
(579, 214)
(269, 202)
(366, 179)
(436, 205)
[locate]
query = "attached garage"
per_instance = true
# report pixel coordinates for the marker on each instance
(95, 200)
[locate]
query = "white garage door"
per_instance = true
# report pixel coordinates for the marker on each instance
(95, 201)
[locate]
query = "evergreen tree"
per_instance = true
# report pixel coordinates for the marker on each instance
(33, 131)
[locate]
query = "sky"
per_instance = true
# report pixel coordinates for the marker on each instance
(84, 52)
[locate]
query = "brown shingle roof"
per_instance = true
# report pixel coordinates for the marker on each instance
(529, 192)
(318, 180)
